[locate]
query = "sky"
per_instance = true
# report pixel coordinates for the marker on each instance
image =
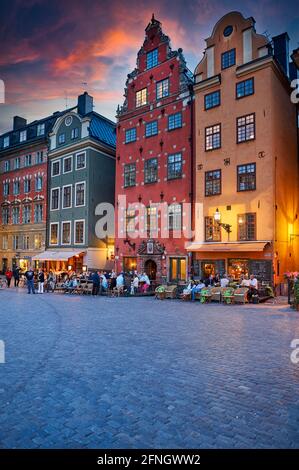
(51, 51)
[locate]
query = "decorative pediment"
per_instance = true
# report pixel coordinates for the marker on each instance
(16, 202)
(27, 200)
(150, 247)
(39, 197)
(5, 203)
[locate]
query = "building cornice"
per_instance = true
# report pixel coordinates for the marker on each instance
(81, 145)
(207, 83)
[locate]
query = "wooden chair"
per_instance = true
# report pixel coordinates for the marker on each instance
(205, 295)
(170, 292)
(240, 295)
(216, 294)
(227, 295)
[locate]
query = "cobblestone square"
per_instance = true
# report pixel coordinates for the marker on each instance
(85, 372)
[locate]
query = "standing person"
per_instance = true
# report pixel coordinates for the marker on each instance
(104, 282)
(146, 282)
(96, 283)
(41, 281)
(8, 276)
(16, 275)
(120, 283)
(30, 280)
(135, 283)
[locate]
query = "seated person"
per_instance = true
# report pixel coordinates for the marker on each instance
(224, 281)
(253, 285)
(187, 291)
(197, 288)
(146, 282)
(245, 282)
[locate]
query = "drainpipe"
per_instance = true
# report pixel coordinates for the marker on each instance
(193, 172)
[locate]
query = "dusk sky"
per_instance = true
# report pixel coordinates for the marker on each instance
(50, 49)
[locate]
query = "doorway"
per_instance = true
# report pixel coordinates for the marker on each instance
(150, 268)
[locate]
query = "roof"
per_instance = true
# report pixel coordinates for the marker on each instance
(103, 129)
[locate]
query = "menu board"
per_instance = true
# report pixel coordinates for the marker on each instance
(261, 269)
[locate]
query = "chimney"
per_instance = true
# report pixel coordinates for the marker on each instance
(281, 51)
(18, 122)
(85, 104)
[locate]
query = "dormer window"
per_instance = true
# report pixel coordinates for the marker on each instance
(61, 139)
(40, 129)
(23, 136)
(6, 142)
(75, 133)
(152, 59)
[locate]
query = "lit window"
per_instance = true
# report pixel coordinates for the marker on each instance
(175, 217)
(245, 128)
(174, 121)
(162, 89)
(66, 233)
(53, 234)
(130, 220)
(247, 226)
(212, 100)
(212, 230)
(141, 97)
(151, 219)
(213, 137)
(131, 135)
(245, 88)
(152, 59)
(228, 59)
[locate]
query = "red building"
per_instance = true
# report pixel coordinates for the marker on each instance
(154, 161)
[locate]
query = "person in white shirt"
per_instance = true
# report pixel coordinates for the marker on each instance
(224, 281)
(245, 282)
(135, 284)
(252, 287)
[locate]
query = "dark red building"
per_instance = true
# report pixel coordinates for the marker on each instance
(154, 162)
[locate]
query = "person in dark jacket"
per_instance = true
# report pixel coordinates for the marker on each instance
(41, 281)
(16, 275)
(96, 283)
(8, 276)
(30, 280)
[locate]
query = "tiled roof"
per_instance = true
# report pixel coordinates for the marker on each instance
(103, 129)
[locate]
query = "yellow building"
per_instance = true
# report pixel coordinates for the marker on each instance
(246, 175)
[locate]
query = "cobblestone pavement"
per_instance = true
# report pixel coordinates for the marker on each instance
(85, 372)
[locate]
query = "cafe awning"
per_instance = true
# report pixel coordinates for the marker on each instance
(55, 255)
(227, 246)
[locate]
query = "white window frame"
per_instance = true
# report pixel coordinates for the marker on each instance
(54, 244)
(52, 164)
(41, 128)
(75, 221)
(23, 136)
(66, 158)
(61, 235)
(80, 153)
(6, 142)
(53, 189)
(62, 195)
(75, 195)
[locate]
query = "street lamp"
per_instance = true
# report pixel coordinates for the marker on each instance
(227, 227)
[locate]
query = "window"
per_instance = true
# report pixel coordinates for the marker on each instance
(6, 142)
(28, 160)
(54, 234)
(131, 135)
(5, 242)
(16, 215)
(6, 188)
(151, 128)
(246, 177)
(38, 213)
(66, 233)
(7, 165)
(40, 129)
(16, 242)
(17, 163)
(55, 199)
(212, 183)
(5, 215)
(175, 217)
(177, 269)
(174, 121)
(130, 220)
(75, 133)
(212, 230)
(151, 170)
(67, 197)
(162, 89)
(38, 183)
(38, 241)
(23, 136)
(130, 175)
(26, 242)
(245, 88)
(16, 188)
(39, 157)
(212, 100)
(151, 219)
(79, 231)
(27, 214)
(67, 164)
(56, 168)
(61, 139)
(245, 128)
(80, 194)
(141, 97)
(27, 184)
(213, 137)
(228, 59)
(80, 161)
(174, 166)
(247, 226)
(152, 59)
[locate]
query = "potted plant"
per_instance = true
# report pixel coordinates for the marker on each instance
(160, 292)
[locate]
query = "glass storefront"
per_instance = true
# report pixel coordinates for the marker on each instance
(177, 269)
(129, 263)
(238, 267)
